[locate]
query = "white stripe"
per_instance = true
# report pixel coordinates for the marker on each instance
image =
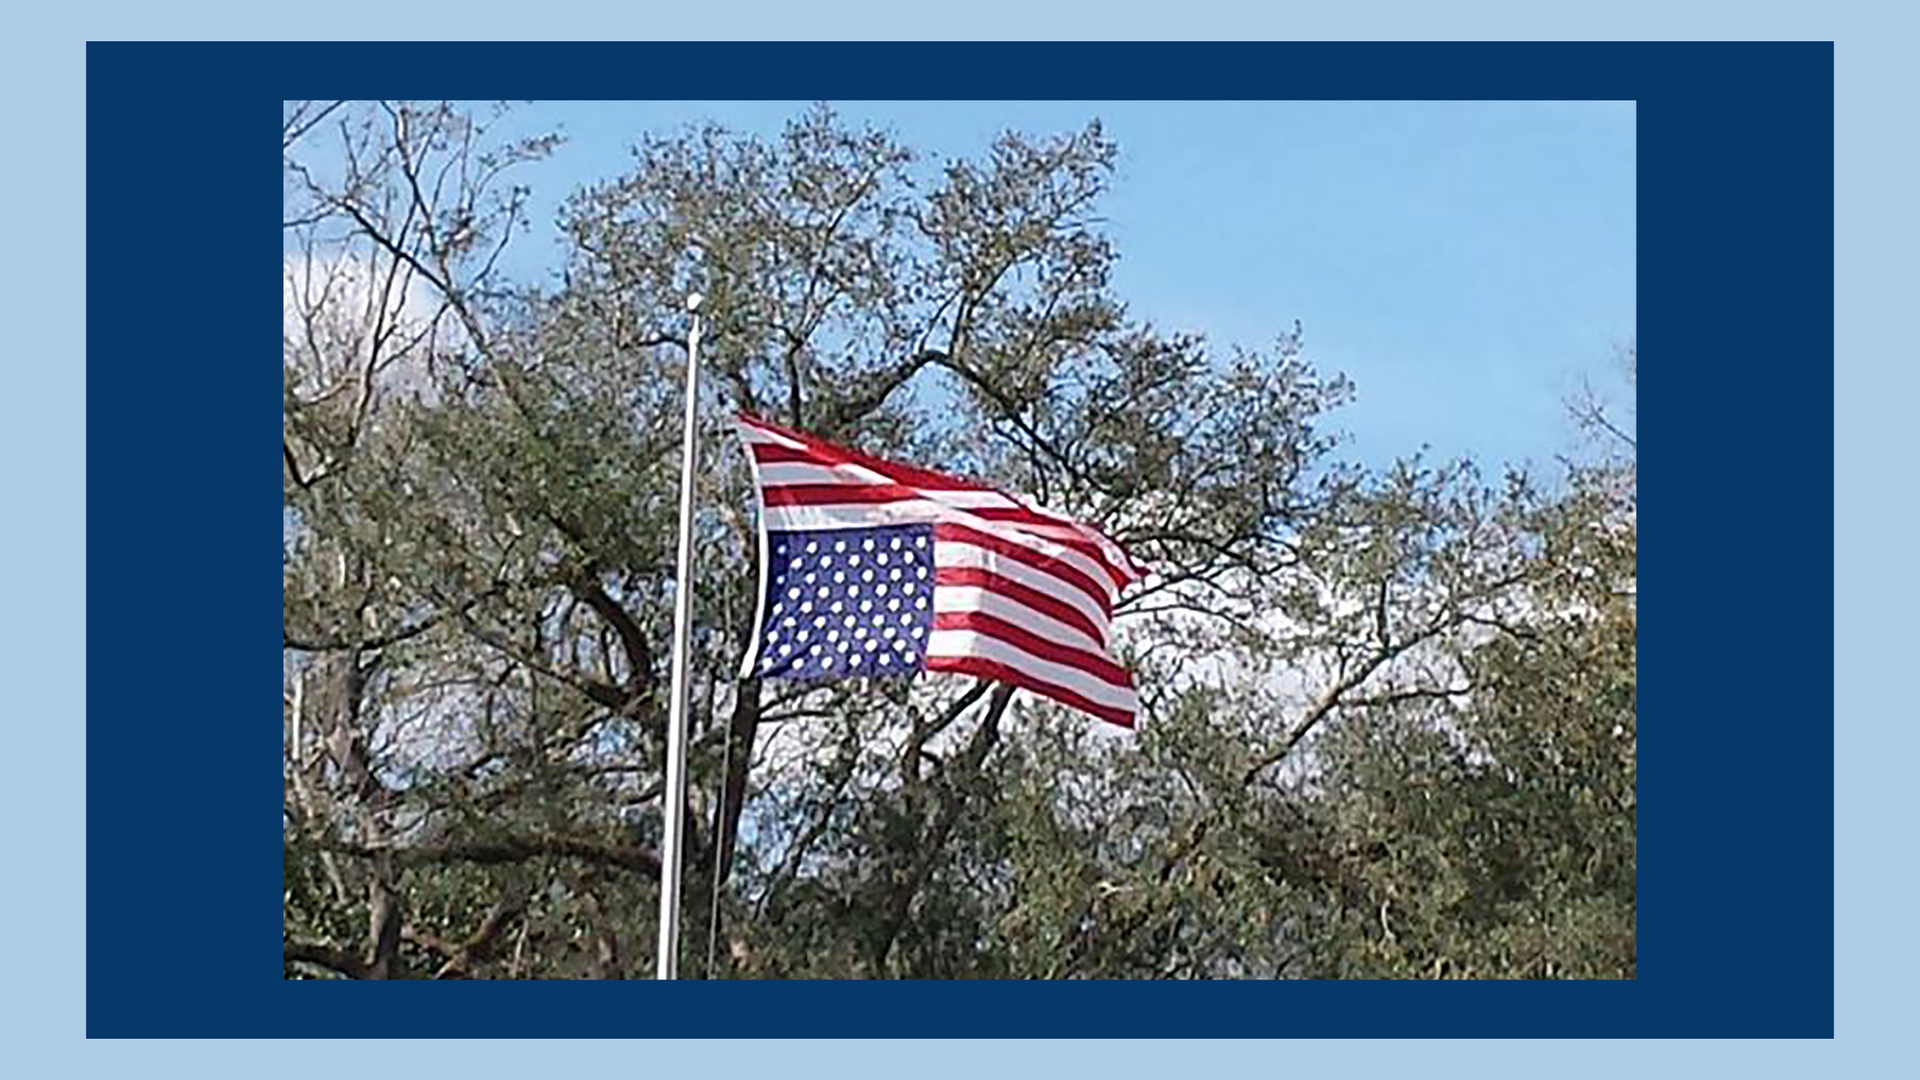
(961, 643)
(753, 434)
(1038, 623)
(854, 515)
(959, 553)
(802, 472)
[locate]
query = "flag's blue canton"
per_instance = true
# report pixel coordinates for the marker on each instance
(844, 602)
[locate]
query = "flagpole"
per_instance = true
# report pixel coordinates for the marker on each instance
(676, 793)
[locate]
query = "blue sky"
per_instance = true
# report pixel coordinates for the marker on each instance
(1465, 263)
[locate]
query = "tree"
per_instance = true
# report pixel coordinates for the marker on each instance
(481, 483)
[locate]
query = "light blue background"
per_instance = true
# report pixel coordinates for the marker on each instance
(42, 471)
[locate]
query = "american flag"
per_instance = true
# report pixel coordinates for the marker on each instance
(872, 568)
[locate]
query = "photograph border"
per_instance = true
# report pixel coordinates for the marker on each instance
(1735, 237)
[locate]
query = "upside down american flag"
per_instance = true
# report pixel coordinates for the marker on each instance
(873, 568)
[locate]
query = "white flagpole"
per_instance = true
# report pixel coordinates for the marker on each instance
(676, 793)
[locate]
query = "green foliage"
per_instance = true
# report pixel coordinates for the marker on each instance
(1390, 716)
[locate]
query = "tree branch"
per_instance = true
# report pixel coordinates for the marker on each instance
(633, 640)
(966, 765)
(508, 850)
(312, 952)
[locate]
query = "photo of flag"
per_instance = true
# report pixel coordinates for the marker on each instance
(873, 568)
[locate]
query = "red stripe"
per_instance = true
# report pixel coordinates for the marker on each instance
(828, 454)
(991, 669)
(831, 494)
(825, 453)
(775, 454)
(947, 530)
(1051, 606)
(1027, 641)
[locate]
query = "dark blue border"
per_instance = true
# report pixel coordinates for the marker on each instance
(1736, 309)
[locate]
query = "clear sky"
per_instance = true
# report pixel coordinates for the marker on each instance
(1465, 263)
